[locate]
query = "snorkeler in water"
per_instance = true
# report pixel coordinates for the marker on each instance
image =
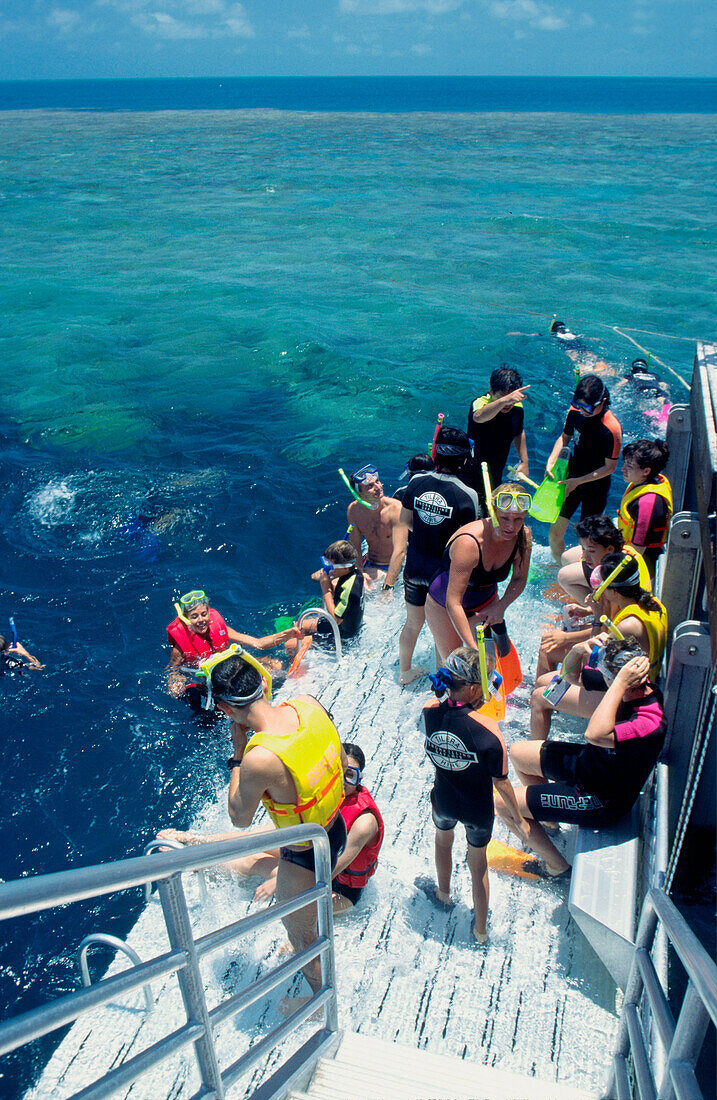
(14, 657)
(199, 630)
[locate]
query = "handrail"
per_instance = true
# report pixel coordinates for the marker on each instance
(166, 868)
(324, 614)
(157, 845)
(107, 940)
(683, 1038)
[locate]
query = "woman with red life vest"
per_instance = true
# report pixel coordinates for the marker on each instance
(646, 507)
(356, 864)
(199, 630)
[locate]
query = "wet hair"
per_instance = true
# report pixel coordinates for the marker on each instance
(558, 326)
(453, 448)
(600, 529)
(618, 651)
(505, 380)
(4, 644)
(470, 657)
(627, 581)
(353, 750)
(592, 390)
(649, 454)
(341, 552)
(235, 677)
(422, 463)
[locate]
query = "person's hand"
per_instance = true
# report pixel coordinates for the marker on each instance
(295, 632)
(35, 664)
(634, 674)
(553, 639)
(577, 611)
(493, 614)
(265, 892)
(176, 685)
(571, 485)
(318, 575)
(510, 399)
(522, 468)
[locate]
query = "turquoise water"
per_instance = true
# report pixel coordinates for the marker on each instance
(203, 315)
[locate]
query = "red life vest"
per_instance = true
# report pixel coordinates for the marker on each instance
(359, 872)
(193, 646)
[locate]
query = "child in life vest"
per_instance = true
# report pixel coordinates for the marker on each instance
(646, 507)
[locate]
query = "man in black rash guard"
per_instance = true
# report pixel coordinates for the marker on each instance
(434, 506)
(469, 754)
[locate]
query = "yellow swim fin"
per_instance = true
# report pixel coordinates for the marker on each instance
(501, 857)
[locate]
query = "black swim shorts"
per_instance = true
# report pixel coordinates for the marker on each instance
(353, 893)
(304, 857)
(562, 799)
(592, 496)
(476, 835)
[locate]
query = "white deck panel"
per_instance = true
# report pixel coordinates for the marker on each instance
(535, 1001)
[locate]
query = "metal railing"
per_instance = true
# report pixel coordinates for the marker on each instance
(676, 1046)
(322, 613)
(166, 869)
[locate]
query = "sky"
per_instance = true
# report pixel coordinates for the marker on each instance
(69, 39)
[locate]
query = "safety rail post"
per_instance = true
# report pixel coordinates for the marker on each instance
(106, 940)
(322, 613)
(179, 929)
(679, 441)
(683, 1039)
(157, 845)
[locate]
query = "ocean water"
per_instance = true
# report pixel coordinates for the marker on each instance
(203, 315)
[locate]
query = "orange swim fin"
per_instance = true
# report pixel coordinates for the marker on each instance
(494, 708)
(501, 857)
(510, 669)
(299, 655)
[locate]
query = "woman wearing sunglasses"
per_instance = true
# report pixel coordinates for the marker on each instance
(595, 456)
(480, 555)
(199, 630)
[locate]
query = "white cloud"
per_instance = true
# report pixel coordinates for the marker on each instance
(397, 7)
(540, 16)
(185, 19)
(64, 19)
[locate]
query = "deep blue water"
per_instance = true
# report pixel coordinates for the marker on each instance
(590, 95)
(203, 315)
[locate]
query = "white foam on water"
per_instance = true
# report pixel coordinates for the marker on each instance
(535, 1000)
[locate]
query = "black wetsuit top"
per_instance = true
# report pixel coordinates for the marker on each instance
(599, 440)
(440, 504)
(467, 756)
(348, 601)
(491, 442)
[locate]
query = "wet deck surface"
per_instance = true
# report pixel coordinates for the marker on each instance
(535, 1000)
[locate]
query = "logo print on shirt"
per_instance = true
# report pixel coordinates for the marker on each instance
(448, 751)
(433, 508)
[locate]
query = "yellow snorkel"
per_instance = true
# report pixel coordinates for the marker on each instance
(614, 630)
(480, 638)
(488, 493)
(180, 615)
(610, 578)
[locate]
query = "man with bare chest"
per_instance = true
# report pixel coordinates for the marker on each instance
(380, 525)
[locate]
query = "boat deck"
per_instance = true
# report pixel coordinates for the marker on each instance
(535, 1000)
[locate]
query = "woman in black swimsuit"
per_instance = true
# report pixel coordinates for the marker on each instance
(465, 591)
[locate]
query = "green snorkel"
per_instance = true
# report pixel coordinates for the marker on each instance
(351, 489)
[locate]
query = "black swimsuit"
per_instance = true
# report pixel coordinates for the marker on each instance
(482, 585)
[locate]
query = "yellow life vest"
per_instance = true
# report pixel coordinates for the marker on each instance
(626, 523)
(312, 753)
(655, 623)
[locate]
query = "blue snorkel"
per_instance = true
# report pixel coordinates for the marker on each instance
(13, 630)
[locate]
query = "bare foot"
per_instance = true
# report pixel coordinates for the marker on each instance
(445, 899)
(341, 904)
(410, 675)
(285, 949)
(479, 937)
(561, 869)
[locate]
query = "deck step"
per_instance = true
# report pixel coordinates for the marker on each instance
(365, 1068)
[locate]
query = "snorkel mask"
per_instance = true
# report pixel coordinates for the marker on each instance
(490, 683)
(508, 500)
(206, 668)
(587, 408)
(352, 775)
(349, 486)
(187, 602)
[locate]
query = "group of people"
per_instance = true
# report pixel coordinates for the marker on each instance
(459, 530)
